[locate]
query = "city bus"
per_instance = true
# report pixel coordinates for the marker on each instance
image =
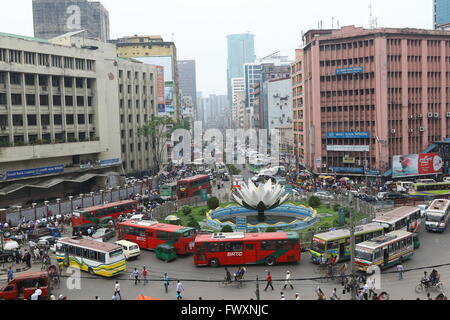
(430, 189)
(385, 251)
(151, 234)
(95, 215)
(225, 249)
(436, 216)
(168, 191)
(236, 182)
(191, 187)
(97, 258)
(338, 242)
(403, 218)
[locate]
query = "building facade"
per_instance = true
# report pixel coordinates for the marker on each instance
(370, 95)
(237, 92)
(188, 87)
(53, 18)
(298, 108)
(241, 50)
(70, 111)
(441, 14)
(155, 51)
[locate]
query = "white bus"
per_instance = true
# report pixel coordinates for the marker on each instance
(385, 251)
(97, 258)
(436, 216)
(403, 218)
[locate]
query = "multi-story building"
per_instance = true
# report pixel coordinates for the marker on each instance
(53, 18)
(237, 87)
(155, 51)
(441, 14)
(298, 108)
(200, 112)
(241, 50)
(372, 94)
(67, 106)
(217, 112)
(188, 87)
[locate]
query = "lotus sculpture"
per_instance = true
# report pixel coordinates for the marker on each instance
(262, 198)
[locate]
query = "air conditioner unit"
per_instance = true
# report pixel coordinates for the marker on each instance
(393, 131)
(422, 129)
(420, 115)
(448, 114)
(430, 115)
(411, 130)
(436, 115)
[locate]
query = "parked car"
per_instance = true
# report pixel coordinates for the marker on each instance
(381, 195)
(104, 234)
(324, 195)
(367, 198)
(6, 256)
(395, 196)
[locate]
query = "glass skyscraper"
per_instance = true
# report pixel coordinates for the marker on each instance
(241, 50)
(441, 12)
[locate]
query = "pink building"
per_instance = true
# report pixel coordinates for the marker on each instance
(365, 96)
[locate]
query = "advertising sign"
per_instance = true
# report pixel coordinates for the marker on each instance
(34, 172)
(104, 163)
(187, 106)
(347, 170)
(204, 194)
(160, 87)
(349, 148)
(417, 164)
(169, 98)
(348, 135)
(350, 70)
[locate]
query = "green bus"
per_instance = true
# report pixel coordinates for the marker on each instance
(168, 191)
(430, 189)
(338, 242)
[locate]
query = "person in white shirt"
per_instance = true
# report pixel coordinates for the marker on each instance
(288, 280)
(365, 291)
(282, 296)
(36, 294)
(117, 290)
(297, 296)
(180, 289)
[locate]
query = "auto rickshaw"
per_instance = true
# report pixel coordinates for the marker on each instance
(166, 253)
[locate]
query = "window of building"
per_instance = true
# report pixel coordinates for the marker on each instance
(69, 101)
(30, 100)
(57, 101)
(43, 100)
(81, 119)
(57, 118)
(15, 78)
(69, 119)
(17, 120)
(16, 99)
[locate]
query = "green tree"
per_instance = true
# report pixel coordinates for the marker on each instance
(159, 132)
(233, 170)
(186, 210)
(193, 223)
(314, 202)
(213, 203)
(227, 229)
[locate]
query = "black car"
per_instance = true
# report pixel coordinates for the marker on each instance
(6, 256)
(395, 196)
(104, 233)
(367, 198)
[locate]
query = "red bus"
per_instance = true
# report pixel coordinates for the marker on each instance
(191, 187)
(94, 215)
(246, 248)
(151, 234)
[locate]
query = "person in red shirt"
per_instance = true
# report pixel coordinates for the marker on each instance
(269, 282)
(144, 275)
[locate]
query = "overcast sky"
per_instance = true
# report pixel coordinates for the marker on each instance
(199, 27)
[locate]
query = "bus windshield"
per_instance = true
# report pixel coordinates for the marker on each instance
(318, 245)
(434, 218)
(363, 254)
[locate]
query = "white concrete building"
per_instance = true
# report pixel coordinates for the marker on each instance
(60, 125)
(237, 87)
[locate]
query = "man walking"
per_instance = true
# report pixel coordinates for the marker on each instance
(135, 274)
(180, 289)
(117, 290)
(400, 271)
(144, 275)
(288, 281)
(269, 281)
(10, 274)
(166, 282)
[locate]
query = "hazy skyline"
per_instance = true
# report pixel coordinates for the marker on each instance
(200, 27)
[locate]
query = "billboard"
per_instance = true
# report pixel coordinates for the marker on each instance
(350, 70)
(18, 174)
(349, 148)
(187, 106)
(348, 135)
(160, 85)
(417, 164)
(169, 98)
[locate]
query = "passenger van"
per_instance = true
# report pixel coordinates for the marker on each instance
(130, 249)
(24, 285)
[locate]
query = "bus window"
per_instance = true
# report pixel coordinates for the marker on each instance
(101, 257)
(250, 247)
(377, 234)
(92, 255)
(237, 246)
(333, 244)
(358, 239)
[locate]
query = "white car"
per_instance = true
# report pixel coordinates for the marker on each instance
(323, 195)
(130, 249)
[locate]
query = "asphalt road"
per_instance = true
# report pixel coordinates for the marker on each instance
(203, 281)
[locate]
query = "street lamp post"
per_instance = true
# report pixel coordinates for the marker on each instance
(102, 194)
(71, 203)
(93, 198)
(59, 206)
(110, 194)
(20, 213)
(352, 255)
(35, 211)
(258, 297)
(46, 208)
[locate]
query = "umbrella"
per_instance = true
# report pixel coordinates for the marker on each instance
(344, 180)
(142, 298)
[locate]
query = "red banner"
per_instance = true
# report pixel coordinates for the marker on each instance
(430, 163)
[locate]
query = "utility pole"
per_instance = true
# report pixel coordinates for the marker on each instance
(257, 289)
(352, 255)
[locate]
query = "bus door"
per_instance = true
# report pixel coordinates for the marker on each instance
(386, 255)
(201, 255)
(250, 253)
(150, 240)
(342, 248)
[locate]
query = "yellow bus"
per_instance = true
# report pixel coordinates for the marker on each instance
(97, 258)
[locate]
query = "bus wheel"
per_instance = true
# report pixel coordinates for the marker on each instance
(214, 263)
(91, 271)
(270, 261)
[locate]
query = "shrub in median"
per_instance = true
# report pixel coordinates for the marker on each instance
(314, 202)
